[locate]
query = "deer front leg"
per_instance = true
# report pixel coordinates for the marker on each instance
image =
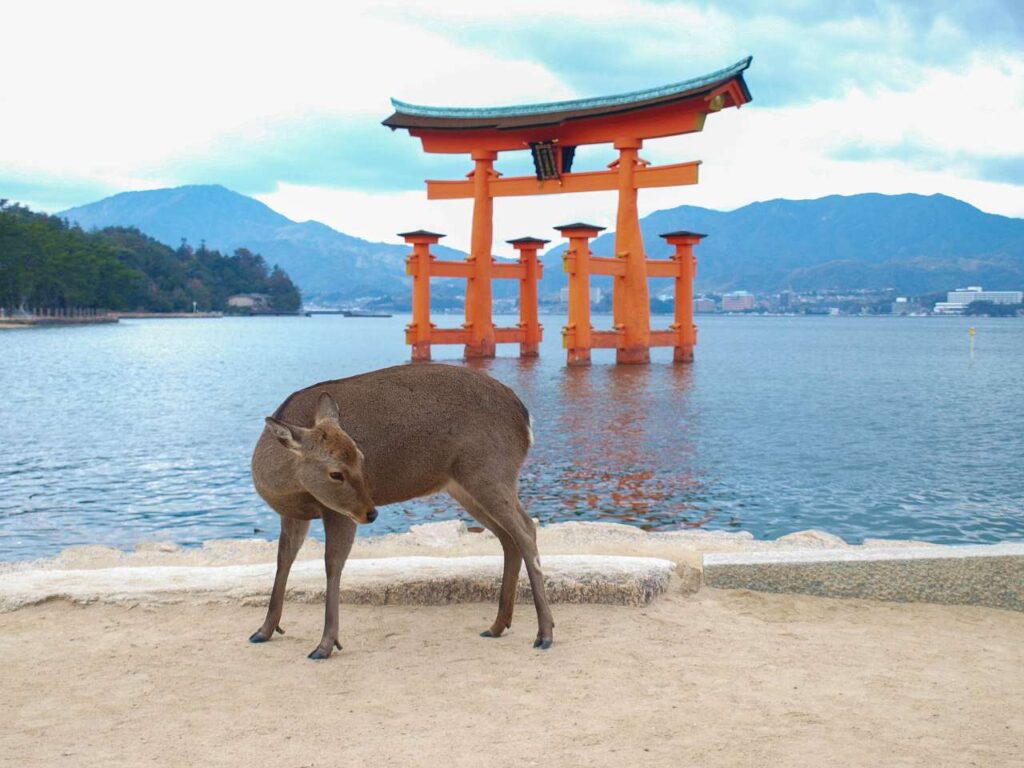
(293, 533)
(341, 532)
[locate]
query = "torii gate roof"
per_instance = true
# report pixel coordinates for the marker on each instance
(415, 116)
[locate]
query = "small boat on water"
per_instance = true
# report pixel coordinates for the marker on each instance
(346, 312)
(363, 313)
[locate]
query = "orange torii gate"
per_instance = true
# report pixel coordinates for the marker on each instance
(552, 132)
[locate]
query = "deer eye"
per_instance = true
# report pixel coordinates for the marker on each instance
(337, 476)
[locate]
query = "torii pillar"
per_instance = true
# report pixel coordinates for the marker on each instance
(631, 304)
(529, 309)
(686, 262)
(578, 335)
(418, 333)
(479, 302)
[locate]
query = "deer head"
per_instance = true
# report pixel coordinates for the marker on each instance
(330, 465)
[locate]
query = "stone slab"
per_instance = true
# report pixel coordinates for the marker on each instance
(988, 575)
(393, 580)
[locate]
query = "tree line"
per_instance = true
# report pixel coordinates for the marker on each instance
(47, 262)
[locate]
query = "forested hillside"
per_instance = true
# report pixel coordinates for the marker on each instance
(329, 266)
(45, 262)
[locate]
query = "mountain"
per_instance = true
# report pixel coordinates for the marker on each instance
(916, 244)
(326, 264)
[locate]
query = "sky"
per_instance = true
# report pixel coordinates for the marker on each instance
(283, 101)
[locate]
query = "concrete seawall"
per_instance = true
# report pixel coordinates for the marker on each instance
(584, 563)
(992, 576)
(386, 581)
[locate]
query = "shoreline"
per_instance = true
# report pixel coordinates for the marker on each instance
(10, 323)
(168, 315)
(455, 538)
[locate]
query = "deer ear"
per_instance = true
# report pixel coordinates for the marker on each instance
(326, 409)
(287, 435)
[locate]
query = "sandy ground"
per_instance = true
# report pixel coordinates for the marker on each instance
(717, 678)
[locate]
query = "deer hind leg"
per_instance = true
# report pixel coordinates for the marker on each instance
(513, 561)
(341, 532)
(293, 533)
(502, 505)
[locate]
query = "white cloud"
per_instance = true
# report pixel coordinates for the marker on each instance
(123, 95)
(758, 154)
(118, 91)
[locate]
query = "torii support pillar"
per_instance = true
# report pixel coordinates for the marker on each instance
(479, 315)
(529, 312)
(418, 332)
(687, 264)
(631, 303)
(577, 334)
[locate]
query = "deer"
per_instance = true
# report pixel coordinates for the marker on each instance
(340, 449)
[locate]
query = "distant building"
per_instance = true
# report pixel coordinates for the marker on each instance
(257, 302)
(737, 301)
(973, 293)
(902, 306)
(704, 305)
(949, 308)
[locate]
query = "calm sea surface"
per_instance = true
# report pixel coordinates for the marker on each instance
(864, 427)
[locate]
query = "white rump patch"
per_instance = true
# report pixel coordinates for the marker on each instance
(529, 428)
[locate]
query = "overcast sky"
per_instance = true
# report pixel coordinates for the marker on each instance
(283, 101)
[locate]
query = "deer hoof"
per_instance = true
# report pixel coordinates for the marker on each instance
(543, 643)
(488, 633)
(258, 637)
(321, 653)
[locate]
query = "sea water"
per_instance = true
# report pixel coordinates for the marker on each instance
(878, 427)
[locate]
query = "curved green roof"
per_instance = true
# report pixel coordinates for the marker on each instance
(596, 104)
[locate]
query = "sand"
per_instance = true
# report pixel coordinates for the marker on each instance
(716, 678)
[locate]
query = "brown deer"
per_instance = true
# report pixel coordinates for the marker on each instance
(339, 449)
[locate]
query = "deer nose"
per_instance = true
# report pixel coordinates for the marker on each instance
(371, 515)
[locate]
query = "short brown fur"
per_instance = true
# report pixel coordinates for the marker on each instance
(339, 449)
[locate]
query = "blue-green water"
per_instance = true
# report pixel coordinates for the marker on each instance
(864, 427)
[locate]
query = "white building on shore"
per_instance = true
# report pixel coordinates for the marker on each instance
(957, 301)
